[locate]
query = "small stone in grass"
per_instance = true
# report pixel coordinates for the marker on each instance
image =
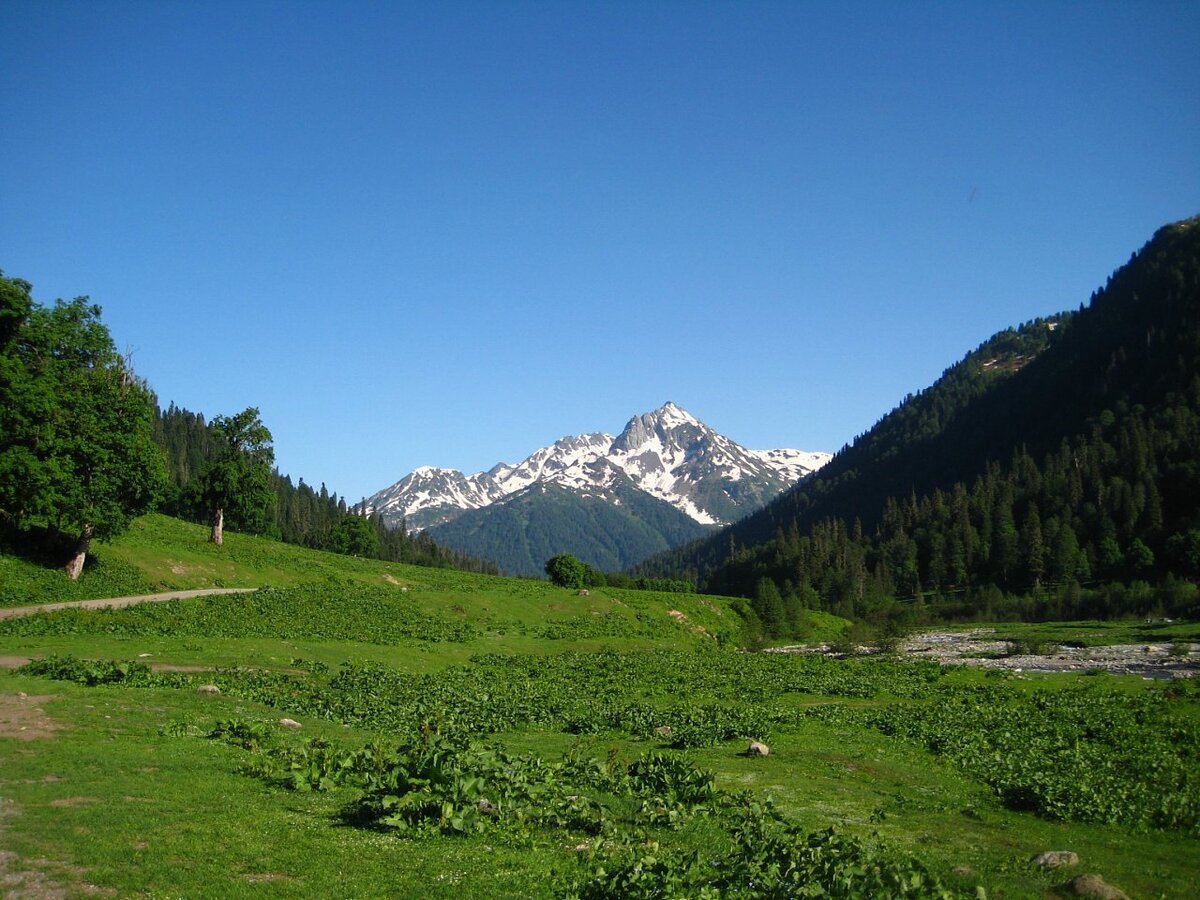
(1056, 859)
(1094, 886)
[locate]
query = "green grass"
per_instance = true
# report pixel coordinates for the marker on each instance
(129, 794)
(864, 782)
(817, 627)
(138, 812)
(159, 553)
(118, 789)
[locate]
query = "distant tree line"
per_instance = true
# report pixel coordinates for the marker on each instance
(293, 512)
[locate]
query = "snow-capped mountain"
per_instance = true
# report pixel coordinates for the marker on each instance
(668, 453)
(672, 455)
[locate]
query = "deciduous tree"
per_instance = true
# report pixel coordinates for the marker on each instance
(237, 484)
(355, 536)
(566, 571)
(76, 425)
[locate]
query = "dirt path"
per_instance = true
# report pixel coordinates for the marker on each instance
(15, 662)
(14, 612)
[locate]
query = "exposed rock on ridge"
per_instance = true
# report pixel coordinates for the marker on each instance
(667, 453)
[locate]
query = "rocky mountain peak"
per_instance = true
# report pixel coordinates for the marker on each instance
(667, 453)
(669, 423)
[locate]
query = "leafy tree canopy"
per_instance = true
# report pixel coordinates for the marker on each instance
(355, 536)
(236, 485)
(76, 426)
(566, 571)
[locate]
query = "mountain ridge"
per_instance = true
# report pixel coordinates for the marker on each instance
(667, 453)
(1052, 462)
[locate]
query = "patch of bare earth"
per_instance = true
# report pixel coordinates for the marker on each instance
(22, 717)
(180, 667)
(32, 880)
(40, 879)
(682, 619)
(15, 662)
(14, 612)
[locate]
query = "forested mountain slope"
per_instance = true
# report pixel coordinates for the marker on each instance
(667, 478)
(520, 534)
(1064, 451)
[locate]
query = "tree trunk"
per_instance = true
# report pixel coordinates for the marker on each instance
(75, 565)
(218, 527)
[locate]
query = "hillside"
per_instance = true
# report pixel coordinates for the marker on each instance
(159, 553)
(529, 527)
(1059, 452)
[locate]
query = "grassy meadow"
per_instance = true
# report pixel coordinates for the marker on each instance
(470, 736)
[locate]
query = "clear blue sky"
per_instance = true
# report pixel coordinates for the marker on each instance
(450, 233)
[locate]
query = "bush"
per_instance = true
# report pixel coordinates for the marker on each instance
(566, 571)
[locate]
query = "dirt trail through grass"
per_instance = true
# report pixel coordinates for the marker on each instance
(117, 602)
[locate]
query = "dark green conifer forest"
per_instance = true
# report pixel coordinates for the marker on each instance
(1053, 472)
(301, 515)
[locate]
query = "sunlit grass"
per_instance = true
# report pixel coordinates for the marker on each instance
(128, 794)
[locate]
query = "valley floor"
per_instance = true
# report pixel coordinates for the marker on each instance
(140, 785)
(456, 735)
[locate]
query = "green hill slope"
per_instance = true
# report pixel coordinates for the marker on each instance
(342, 597)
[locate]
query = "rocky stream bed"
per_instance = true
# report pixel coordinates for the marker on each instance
(980, 647)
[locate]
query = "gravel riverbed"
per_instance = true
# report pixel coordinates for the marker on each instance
(979, 647)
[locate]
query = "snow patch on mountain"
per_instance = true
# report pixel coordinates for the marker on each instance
(668, 453)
